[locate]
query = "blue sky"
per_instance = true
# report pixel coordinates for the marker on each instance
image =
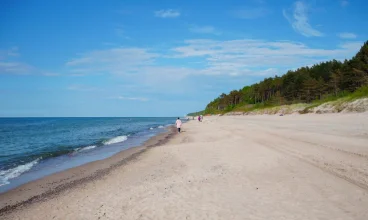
(160, 58)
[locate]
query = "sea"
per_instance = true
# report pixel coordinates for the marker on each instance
(31, 148)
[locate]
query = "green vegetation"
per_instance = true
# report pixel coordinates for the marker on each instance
(359, 93)
(196, 113)
(323, 82)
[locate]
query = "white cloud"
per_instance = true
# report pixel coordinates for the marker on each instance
(134, 65)
(169, 13)
(300, 21)
(344, 3)
(250, 57)
(131, 98)
(247, 57)
(346, 35)
(204, 30)
(153, 72)
(251, 13)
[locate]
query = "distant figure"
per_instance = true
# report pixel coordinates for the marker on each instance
(199, 118)
(178, 124)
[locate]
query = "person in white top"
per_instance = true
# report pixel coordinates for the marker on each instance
(178, 124)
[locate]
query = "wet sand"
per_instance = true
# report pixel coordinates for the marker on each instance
(235, 167)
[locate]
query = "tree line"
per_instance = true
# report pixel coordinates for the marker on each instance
(305, 84)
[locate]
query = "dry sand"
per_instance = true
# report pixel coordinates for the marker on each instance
(245, 167)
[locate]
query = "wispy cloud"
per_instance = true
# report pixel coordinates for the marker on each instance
(204, 30)
(251, 13)
(300, 21)
(116, 60)
(346, 35)
(131, 98)
(344, 3)
(50, 74)
(229, 57)
(168, 13)
(12, 52)
(134, 65)
(158, 71)
(82, 88)
(8, 67)
(10, 64)
(257, 57)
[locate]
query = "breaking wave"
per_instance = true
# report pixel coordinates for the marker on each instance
(85, 148)
(115, 140)
(6, 175)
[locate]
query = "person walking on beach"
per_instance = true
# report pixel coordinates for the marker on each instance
(178, 124)
(199, 118)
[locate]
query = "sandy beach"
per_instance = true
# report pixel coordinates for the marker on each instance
(233, 167)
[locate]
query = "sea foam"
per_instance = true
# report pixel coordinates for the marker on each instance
(6, 175)
(115, 140)
(86, 148)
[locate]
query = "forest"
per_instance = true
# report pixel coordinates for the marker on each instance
(304, 85)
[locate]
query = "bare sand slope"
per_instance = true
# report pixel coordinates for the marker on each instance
(252, 167)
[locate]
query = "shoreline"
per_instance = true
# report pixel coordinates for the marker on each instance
(54, 184)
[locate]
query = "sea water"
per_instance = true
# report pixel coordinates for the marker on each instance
(31, 148)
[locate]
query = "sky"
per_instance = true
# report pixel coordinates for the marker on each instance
(160, 58)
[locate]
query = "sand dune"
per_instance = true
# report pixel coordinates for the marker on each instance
(246, 167)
